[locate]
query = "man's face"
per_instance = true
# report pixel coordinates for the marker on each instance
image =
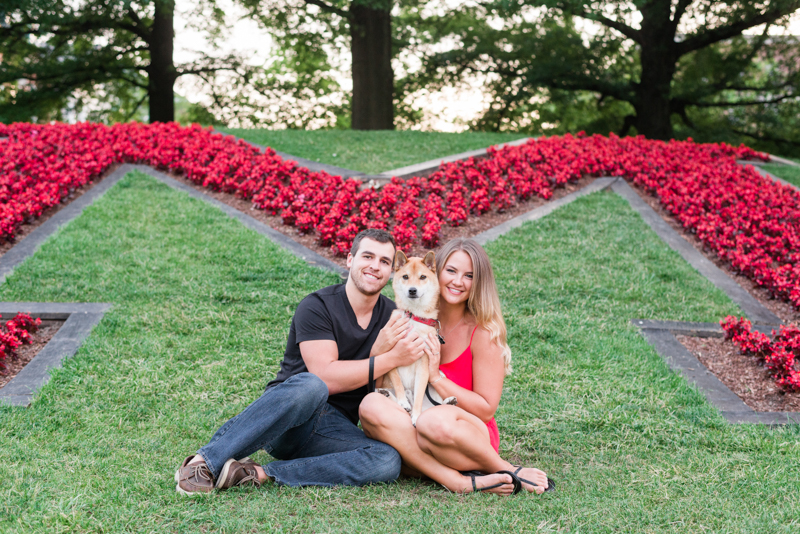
(371, 267)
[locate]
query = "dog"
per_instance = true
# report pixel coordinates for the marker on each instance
(416, 290)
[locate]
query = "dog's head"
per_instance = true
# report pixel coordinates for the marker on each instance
(416, 287)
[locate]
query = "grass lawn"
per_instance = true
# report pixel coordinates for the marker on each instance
(788, 172)
(372, 152)
(201, 313)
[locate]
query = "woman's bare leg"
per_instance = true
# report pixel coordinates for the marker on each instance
(385, 421)
(459, 439)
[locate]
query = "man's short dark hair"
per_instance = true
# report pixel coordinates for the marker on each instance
(381, 236)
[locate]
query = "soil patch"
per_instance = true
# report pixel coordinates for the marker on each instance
(26, 353)
(783, 310)
(32, 224)
(746, 376)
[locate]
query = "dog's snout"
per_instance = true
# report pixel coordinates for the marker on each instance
(412, 291)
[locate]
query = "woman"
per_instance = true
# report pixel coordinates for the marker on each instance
(471, 365)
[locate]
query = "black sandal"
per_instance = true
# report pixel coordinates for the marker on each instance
(514, 480)
(551, 486)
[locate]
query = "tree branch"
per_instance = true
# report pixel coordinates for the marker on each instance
(762, 137)
(740, 103)
(624, 29)
(732, 30)
(136, 107)
(329, 8)
(203, 70)
(680, 10)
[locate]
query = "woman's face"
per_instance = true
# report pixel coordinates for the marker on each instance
(455, 280)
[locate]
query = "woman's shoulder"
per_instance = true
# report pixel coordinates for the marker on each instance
(482, 336)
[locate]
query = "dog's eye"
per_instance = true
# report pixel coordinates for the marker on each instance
(422, 277)
(405, 277)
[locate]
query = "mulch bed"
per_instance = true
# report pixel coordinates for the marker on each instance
(474, 226)
(26, 353)
(744, 375)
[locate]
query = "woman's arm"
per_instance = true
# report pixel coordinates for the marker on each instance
(488, 372)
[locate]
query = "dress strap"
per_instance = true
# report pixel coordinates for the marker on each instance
(473, 335)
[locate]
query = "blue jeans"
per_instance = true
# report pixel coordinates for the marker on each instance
(315, 444)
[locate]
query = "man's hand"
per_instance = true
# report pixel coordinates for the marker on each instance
(409, 348)
(390, 334)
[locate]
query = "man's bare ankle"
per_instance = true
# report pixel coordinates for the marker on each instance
(196, 460)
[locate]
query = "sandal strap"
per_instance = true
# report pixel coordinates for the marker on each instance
(515, 480)
(550, 484)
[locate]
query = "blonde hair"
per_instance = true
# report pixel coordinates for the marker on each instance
(483, 302)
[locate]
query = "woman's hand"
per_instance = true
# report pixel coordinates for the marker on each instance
(434, 350)
(390, 334)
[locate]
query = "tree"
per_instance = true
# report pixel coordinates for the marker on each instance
(530, 51)
(115, 51)
(318, 29)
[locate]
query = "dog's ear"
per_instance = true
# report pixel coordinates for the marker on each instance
(430, 261)
(399, 260)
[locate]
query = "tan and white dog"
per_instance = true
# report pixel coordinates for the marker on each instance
(416, 290)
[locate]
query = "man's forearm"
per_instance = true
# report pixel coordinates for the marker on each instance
(347, 375)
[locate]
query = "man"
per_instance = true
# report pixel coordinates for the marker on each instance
(307, 416)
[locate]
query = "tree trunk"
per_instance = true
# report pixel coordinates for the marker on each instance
(373, 79)
(658, 60)
(161, 73)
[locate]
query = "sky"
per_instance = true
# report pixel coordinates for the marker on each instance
(245, 37)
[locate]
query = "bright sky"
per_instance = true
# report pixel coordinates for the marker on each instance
(247, 38)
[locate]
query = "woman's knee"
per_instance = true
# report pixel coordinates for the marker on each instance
(437, 426)
(373, 410)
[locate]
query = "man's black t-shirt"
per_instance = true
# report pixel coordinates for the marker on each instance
(327, 314)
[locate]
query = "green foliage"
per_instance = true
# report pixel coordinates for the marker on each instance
(546, 73)
(296, 89)
(63, 58)
(90, 59)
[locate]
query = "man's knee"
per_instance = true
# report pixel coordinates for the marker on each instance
(306, 388)
(300, 395)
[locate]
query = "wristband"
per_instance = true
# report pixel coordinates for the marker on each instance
(371, 382)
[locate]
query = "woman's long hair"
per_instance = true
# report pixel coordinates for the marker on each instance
(483, 302)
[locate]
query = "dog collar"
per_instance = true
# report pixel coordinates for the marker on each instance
(429, 322)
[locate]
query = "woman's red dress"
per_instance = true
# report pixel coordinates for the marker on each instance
(460, 372)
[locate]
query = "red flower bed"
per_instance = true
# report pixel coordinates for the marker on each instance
(747, 220)
(18, 332)
(779, 354)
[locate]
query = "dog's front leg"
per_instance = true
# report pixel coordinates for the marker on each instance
(399, 390)
(420, 385)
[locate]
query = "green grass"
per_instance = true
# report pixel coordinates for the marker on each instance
(201, 312)
(789, 173)
(371, 152)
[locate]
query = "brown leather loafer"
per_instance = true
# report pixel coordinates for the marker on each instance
(238, 473)
(194, 479)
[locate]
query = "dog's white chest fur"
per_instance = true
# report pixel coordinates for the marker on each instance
(416, 291)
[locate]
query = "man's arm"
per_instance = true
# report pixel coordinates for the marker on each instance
(322, 359)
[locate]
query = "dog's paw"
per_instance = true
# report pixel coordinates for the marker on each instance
(404, 404)
(452, 401)
(414, 420)
(385, 392)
